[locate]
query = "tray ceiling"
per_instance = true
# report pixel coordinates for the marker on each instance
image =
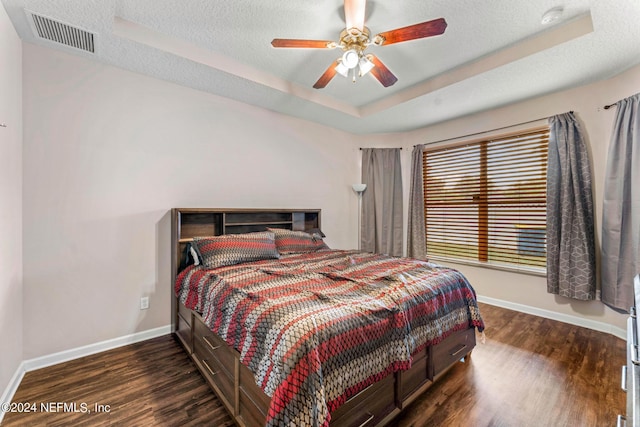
(492, 53)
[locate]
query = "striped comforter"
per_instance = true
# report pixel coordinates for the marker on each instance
(317, 328)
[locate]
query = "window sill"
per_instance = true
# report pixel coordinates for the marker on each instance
(532, 271)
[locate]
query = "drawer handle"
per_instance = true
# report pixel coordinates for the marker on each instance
(367, 421)
(622, 421)
(459, 350)
(623, 384)
(211, 346)
(206, 365)
(359, 393)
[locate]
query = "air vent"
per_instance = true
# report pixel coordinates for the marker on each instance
(59, 32)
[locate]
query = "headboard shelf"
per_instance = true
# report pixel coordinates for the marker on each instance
(188, 223)
(252, 218)
(237, 224)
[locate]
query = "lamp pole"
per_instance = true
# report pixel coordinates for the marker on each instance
(359, 189)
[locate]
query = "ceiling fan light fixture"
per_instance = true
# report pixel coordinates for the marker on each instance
(342, 69)
(350, 58)
(365, 65)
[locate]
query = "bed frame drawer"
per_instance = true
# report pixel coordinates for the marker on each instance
(454, 348)
(213, 371)
(184, 312)
(183, 331)
(214, 358)
(249, 413)
(210, 341)
(412, 379)
(253, 401)
(368, 407)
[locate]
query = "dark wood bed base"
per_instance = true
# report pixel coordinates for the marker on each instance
(234, 383)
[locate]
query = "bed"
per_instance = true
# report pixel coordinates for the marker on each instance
(290, 332)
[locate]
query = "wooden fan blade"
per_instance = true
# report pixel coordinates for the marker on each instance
(315, 44)
(327, 76)
(412, 32)
(354, 13)
(381, 72)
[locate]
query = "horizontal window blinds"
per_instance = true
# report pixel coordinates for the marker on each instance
(486, 200)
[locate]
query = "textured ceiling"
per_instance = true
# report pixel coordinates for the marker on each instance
(492, 53)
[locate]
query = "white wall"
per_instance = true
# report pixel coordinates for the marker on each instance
(10, 202)
(587, 102)
(108, 152)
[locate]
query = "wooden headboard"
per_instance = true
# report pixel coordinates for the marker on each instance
(187, 223)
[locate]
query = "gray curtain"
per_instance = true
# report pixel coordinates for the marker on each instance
(571, 261)
(621, 209)
(416, 233)
(382, 201)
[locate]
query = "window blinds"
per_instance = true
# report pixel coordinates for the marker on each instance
(486, 200)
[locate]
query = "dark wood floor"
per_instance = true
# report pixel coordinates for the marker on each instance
(531, 372)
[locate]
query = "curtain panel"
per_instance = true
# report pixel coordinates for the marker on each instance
(621, 207)
(382, 201)
(416, 233)
(571, 263)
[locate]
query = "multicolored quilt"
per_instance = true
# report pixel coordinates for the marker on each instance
(317, 328)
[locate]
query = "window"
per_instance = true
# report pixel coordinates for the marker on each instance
(485, 201)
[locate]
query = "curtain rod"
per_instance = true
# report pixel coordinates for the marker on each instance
(606, 107)
(486, 131)
(363, 148)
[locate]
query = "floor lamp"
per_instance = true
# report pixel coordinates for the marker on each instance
(359, 189)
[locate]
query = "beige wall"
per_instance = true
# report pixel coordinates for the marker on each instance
(587, 102)
(108, 152)
(10, 201)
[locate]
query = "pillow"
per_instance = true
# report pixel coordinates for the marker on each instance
(292, 242)
(232, 249)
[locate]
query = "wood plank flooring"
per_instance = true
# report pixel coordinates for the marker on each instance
(530, 372)
(152, 383)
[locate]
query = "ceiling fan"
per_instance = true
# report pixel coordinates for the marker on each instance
(355, 38)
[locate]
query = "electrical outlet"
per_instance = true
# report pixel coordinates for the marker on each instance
(144, 303)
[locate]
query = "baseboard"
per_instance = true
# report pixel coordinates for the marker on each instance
(75, 353)
(566, 318)
(8, 393)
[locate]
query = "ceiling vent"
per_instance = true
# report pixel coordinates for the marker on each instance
(59, 32)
